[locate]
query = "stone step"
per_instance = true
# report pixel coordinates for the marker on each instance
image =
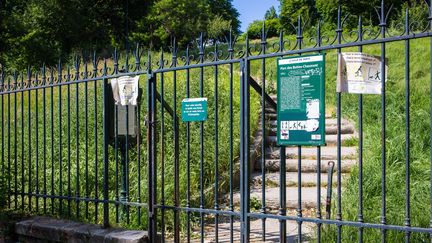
(345, 129)
(256, 231)
(308, 194)
(308, 179)
(330, 139)
(327, 153)
(328, 122)
(330, 130)
(306, 165)
(271, 114)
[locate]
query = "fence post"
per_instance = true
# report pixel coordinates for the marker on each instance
(244, 153)
(151, 153)
(105, 153)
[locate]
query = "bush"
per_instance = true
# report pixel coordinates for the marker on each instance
(273, 28)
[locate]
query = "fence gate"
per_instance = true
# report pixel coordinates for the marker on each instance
(197, 158)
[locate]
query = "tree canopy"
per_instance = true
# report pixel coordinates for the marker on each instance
(33, 32)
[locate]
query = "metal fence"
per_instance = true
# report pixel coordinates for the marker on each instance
(61, 153)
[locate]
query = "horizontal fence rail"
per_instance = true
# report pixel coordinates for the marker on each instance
(62, 153)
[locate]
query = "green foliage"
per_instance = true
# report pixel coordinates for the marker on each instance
(271, 13)
(34, 32)
(226, 10)
(417, 13)
(3, 190)
(218, 27)
(254, 30)
(291, 10)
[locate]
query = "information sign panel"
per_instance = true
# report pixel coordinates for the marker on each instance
(194, 109)
(300, 100)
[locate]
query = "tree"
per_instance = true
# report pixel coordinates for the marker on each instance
(292, 9)
(271, 13)
(218, 27)
(226, 10)
(272, 27)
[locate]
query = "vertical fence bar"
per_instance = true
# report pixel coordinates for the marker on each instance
(430, 121)
(125, 174)
(96, 179)
(15, 145)
(105, 147)
(299, 193)
(188, 189)
(201, 60)
(154, 158)
(127, 137)
(360, 144)
(68, 107)
(44, 140)
(339, 114)
(59, 73)
(407, 221)
(243, 237)
(231, 166)
(86, 170)
(318, 212)
(138, 122)
(116, 148)
(282, 173)
(151, 150)
(383, 123)
(216, 144)
(245, 170)
(29, 189)
(282, 197)
(9, 142)
(263, 130)
(22, 144)
(77, 158)
(299, 186)
(176, 149)
(162, 149)
(52, 137)
(246, 148)
(2, 89)
(37, 142)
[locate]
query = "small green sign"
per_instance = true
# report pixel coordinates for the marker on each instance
(194, 109)
(300, 100)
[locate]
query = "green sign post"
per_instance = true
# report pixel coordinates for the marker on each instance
(194, 109)
(300, 100)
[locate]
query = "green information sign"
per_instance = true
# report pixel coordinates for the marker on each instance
(300, 100)
(194, 109)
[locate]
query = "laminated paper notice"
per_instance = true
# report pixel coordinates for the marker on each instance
(125, 90)
(359, 73)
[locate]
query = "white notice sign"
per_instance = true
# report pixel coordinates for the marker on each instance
(125, 90)
(359, 73)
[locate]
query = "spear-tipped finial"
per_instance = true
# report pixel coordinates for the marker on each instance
(148, 60)
(407, 24)
(161, 62)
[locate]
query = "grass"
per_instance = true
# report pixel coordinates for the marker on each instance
(62, 167)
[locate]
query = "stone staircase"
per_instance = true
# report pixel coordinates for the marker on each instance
(308, 184)
(308, 167)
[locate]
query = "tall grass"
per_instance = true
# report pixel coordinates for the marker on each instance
(58, 156)
(395, 145)
(395, 141)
